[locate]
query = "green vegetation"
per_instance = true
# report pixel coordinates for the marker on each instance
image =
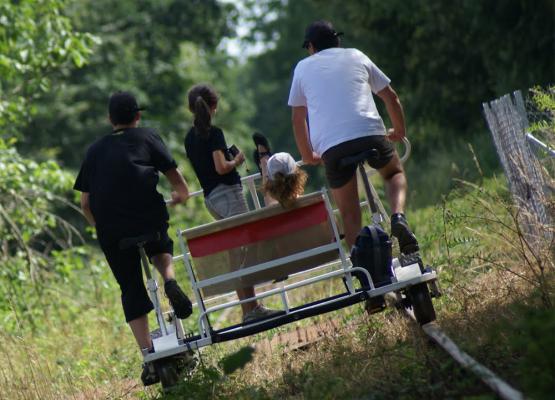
(61, 324)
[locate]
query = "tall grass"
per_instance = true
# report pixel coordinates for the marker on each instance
(497, 303)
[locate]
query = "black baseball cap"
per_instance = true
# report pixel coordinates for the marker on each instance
(123, 107)
(321, 34)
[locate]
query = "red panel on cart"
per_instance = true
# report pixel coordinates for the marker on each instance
(258, 230)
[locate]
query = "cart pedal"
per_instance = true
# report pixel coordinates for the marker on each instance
(411, 258)
(374, 305)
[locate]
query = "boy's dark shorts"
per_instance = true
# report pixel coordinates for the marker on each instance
(127, 269)
(338, 176)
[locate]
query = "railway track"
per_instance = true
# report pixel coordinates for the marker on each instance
(490, 378)
(302, 338)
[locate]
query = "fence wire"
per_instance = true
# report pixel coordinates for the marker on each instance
(508, 123)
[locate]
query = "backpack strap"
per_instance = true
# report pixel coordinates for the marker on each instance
(376, 244)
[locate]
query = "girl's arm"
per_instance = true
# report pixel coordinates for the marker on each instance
(222, 165)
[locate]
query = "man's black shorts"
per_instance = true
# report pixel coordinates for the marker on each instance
(126, 267)
(338, 176)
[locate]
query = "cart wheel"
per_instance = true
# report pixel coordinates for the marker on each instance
(422, 303)
(187, 363)
(167, 371)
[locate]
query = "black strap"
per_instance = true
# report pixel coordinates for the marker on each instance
(377, 245)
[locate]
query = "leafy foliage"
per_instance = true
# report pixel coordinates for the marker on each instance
(31, 231)
(36, 40)
(141, 51)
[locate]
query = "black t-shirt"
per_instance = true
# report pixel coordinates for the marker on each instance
(120, 173)
(199, 150)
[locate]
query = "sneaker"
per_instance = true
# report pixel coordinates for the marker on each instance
(149, 375)
(179, 300)
(400, 229)
(260, 312)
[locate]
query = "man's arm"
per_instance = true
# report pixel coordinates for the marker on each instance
(180, 191)
(298, 118)
(86, 207)
(395, 112)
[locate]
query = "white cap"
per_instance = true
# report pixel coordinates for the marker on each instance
(281, 162)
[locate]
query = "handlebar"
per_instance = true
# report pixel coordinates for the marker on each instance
(408, 149)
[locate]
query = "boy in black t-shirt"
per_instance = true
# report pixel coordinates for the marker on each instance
(118, 180)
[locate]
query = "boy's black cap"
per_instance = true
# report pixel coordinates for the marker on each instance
(123, 104)
(318, 32)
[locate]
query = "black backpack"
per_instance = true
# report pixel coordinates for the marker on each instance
(372, 251)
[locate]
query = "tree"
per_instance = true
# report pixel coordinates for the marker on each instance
(35, 42)
(444, 59)
(141, 51)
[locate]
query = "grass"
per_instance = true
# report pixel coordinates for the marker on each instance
(497, 305)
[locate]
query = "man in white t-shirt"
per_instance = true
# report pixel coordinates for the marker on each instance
(333, 87)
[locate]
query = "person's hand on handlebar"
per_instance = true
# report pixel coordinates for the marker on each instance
(395, 135)
(180, 192)
(177, 198)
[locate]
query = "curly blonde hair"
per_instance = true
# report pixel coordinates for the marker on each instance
(286, 188)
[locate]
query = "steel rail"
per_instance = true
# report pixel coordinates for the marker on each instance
(490, 378)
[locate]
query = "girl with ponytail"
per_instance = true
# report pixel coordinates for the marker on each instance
(216, 171)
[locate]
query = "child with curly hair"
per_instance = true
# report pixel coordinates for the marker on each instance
(282, 180)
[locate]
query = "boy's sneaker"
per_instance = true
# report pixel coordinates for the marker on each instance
(400, 229)
(260, 312)
(179, 300)
(149, 375)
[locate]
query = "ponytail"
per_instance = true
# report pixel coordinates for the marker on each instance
(203, 119)
(202, 99)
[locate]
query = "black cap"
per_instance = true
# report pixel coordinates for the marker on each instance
(123, 107)
(321, 34)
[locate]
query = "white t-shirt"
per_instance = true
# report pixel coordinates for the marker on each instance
(336, 86)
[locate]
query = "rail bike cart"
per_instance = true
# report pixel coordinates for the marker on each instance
(291, 248)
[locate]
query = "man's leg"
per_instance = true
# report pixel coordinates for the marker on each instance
(246, 293)
(396, 188)
(347, 201)
(395, 183)
(126, 268)
(139, 328)
(178, 299)
(164, 264)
